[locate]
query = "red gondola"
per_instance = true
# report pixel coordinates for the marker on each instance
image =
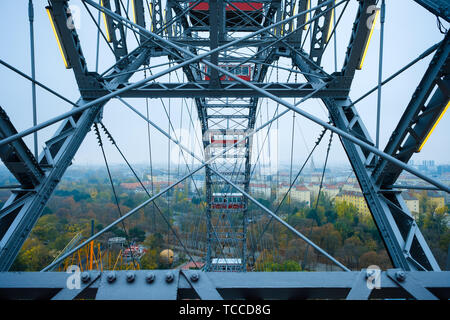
(237, 14)
(230, 201)
(243, 72)
(226, 141)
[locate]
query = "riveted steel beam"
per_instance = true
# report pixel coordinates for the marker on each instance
(427, 104)
(154, 284)
(440, 8)
(229, 89)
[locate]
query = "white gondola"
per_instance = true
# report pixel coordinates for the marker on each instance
(226, 264)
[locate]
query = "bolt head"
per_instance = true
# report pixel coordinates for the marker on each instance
(150, 277)
(370, 273)
(400, 275)
(169, 277)
(85, 277)
(111, 277)
(130, 276)
(195, 277)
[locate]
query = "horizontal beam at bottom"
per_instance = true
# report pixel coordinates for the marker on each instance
(230, 285)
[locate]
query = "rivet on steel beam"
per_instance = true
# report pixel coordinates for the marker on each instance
(85, 277)
(400, 276)
(195, 276)
(111, 277)
(169, 277)
(150, 277)
(130, 276)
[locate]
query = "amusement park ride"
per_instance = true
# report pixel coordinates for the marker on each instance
(225, 50)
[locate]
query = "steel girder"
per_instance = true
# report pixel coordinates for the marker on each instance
(360, 33)
(287, 12)
(202, 89)
(137, 7)
(71, 44)
(193, 284)
(321, 31)
(216, 34)
(17, 157)
(404, 241)
(440, 8)
(25, 206)
(118, 39)
(428, 102)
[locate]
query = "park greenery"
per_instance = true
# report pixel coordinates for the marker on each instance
(338, 228)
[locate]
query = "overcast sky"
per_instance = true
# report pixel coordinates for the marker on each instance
(409, 30)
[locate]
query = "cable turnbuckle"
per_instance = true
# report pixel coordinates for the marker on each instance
(97, 133)
(110, 138)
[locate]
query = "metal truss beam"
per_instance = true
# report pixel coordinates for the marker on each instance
(157, 19)
(403, 240)
(419, 117)
(440, 8)
(227, 116)
(137, 7)
(118, 39)
(178, 284)
(230, 89)
(17, 157)
(56, 157)
(395, 222)
(358, 38)
(288, 11)
(321, 31)
(206, 43)
(227, 106)
(22, 209)
(216, 34)
(71, 44)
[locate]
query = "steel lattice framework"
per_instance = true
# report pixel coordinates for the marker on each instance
(214, 47)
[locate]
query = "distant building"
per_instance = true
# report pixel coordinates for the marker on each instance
(136, 186)
(314, 177)
(260, 189)
(428, 163)
(412, 202)
(301, 194)
(355, 198)
(297, 193)
(351, 187)
(313, 188)
(436, 198)
(331, 190)
(442, 169)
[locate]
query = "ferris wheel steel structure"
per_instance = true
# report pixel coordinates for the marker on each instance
(238, 38)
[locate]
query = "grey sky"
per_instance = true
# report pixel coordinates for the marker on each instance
(410, 30)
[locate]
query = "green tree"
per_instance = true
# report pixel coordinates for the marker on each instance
(137, 234)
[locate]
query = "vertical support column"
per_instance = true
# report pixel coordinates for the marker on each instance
(137, 6)
(216, 19)
(33, 74)
(390, 214)
(156, 15)
(321, 31)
